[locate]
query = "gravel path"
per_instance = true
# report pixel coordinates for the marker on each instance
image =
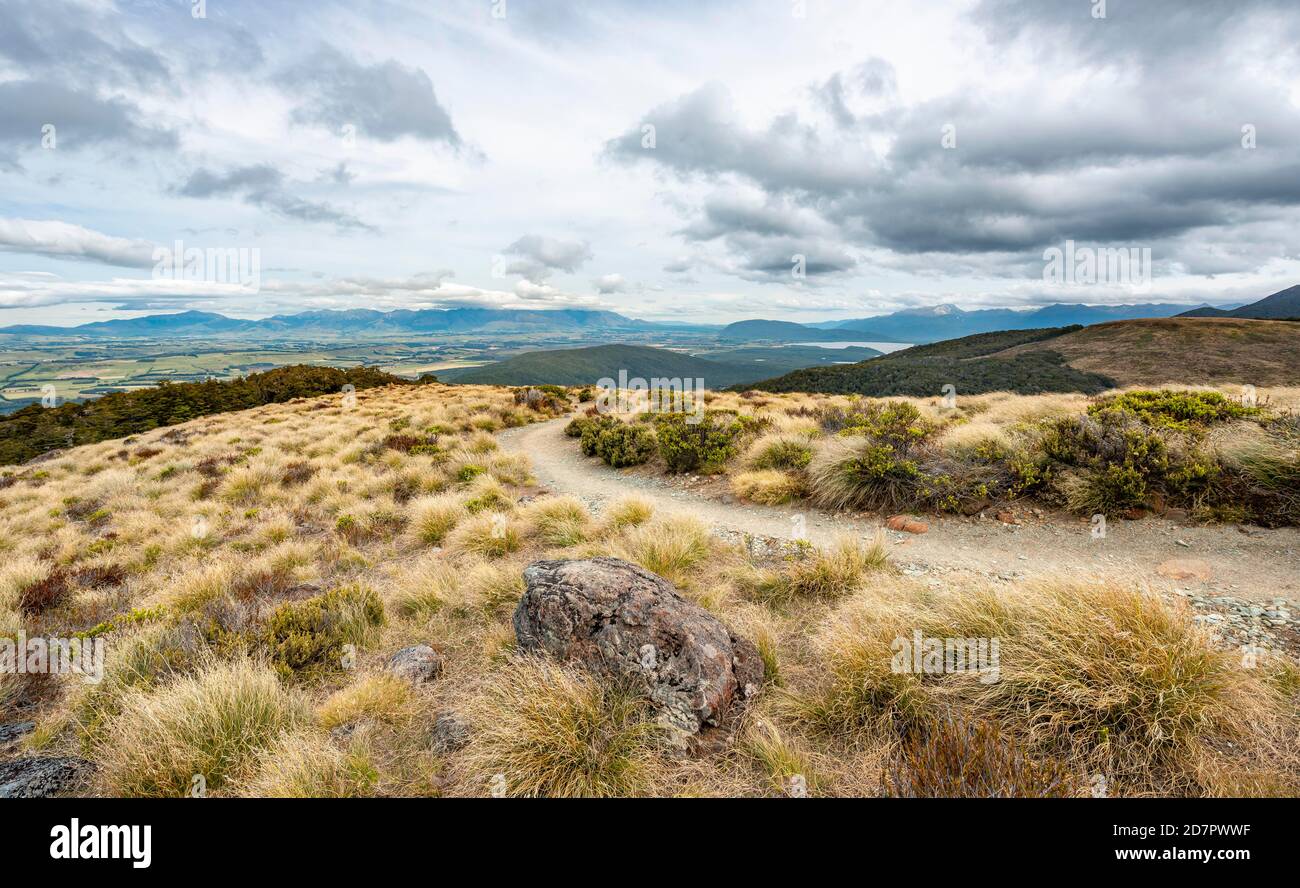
(1250, 566)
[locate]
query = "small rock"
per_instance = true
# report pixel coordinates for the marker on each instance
(12, 732)
(1006, 517)
(35, 777)
(907, 524)
(450, 733)
(418, 663)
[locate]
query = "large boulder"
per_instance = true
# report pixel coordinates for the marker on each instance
(620, 621)
(35, 777)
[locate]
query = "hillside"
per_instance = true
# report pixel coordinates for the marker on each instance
(964, 363)
(585, 366)
(318, 599)
(1180, 350)
(940, 322)
(36, 429)
(1278, 306)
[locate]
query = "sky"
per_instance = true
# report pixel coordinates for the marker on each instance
(698, 162)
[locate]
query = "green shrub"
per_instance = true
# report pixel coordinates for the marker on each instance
(625, 445)
(859, 473)
(590, 430)
(702, 446)
(310, 636)
(783, 452)
(1179, 410)
(469, 472)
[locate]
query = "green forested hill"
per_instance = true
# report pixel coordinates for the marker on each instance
(964, 363)
(35, 429)
(586, 366)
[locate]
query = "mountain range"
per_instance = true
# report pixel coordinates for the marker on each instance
(942, 322)
(917, 325)
(353, 322)
(1281, 305)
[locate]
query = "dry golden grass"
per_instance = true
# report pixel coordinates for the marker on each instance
(178, 560)
(768, 487)
(542, 729)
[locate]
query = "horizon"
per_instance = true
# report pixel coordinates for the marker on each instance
(256, 317)
(876, 160)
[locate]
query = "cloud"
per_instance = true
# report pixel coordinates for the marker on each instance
(1144, 148)
(77, 43)
(541, 256)
(386, 101)
(67, 241)
(432, 289)
(262, 185)
(80, 119)
(609, 283)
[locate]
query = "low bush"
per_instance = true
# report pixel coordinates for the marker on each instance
(625, 444)
(305, 638)
(689, 443)
(1172, 409)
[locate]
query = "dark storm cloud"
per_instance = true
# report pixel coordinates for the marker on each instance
(1145, 146)
(385, 101)
(264, 186)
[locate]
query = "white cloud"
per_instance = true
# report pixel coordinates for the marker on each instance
(68, 241)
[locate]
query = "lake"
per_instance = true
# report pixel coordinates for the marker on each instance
(883, 347)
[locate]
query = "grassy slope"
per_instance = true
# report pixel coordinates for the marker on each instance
(964, 363)
(184, 550)
(1181, 350)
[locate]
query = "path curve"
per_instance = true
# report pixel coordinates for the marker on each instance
(1251, 563)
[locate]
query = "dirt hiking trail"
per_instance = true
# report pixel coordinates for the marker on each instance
(1252, 564)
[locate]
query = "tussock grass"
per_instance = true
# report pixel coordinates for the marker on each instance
(212, 724)
(1108, 678)
(430, 519)
(787, 764)
(557, 521)
(548, 730)
(491, 536)
(381, 697)
(783, 451)
(670, 547)
(840, 568)
(767, 487)
(628, 511)
(308, 765)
